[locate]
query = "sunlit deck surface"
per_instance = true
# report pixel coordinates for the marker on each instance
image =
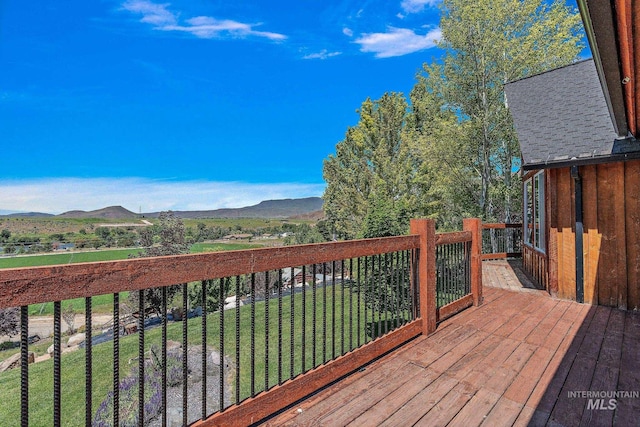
(511, 361)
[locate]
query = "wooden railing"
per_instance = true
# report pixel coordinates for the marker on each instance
(363, 299)
(500, 240)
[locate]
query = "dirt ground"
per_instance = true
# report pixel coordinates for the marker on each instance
(43, 325)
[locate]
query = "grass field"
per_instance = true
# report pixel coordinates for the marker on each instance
(101, 303)
(339, 325)
(66, 258)
(106, 255)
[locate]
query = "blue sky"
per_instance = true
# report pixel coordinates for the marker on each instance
(191, 104)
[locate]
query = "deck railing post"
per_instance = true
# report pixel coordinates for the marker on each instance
(426, 265)
(474, 225)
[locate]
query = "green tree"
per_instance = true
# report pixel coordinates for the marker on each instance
(171, 232)
(488, 43)
(373, 161)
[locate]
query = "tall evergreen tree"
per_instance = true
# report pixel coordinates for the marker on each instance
(372, 162)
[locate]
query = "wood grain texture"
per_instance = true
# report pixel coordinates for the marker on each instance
(36, 285)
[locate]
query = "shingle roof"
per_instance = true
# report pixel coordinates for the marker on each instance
(561, 116)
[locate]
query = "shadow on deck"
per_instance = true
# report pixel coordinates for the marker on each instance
(515, 360)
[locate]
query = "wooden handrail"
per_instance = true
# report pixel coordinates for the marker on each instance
(490, 225)
(35, 285)
(455, 237)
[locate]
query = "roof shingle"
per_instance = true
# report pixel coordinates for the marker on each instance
(561, 115)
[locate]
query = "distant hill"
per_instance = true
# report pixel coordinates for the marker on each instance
(284, 208)
(306, 208)
(111, 212)
(26, 215)
(314, 216)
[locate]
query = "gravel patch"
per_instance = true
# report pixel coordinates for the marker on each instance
(194, 390)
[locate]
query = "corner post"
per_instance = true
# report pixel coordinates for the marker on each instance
(426, 269)
(474, 225)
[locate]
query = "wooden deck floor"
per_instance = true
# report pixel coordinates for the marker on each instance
(512, 361)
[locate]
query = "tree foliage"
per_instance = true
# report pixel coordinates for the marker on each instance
(487, 44)
(171, 241)
(452, 151)
(372, 163)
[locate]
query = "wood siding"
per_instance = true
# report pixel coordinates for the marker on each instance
(535, 263)
(611, 246)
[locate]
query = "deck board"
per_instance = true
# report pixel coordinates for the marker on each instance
(512, 361)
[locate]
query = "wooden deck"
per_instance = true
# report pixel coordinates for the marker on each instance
(512, 361)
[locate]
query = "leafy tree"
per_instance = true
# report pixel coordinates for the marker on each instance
(487, 44)
(171, 232)
(373, 161)
(4, 235)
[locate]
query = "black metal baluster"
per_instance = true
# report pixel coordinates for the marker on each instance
(292, 288)
(141, 313)
(404, 295)
(24, 366)
(324, 312)
(365, 291)
(360, 296)
(237, 339)
(314, 306)
(333, 309)
(468, 267)
(266, 331)
(452, 290)
(57, 349)
(342, 308)
(88, 361)
(203, 390)
(394, 289)
(279, 326)
(185, 348)
(116, 359)
(253, 334)
(376, 281)
(164, 356)
(304, 319)
(384, 285)
(415, 254)
(351, 304)
(221, 296)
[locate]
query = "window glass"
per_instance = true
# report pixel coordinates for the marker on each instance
(528, 211)
(540, 211)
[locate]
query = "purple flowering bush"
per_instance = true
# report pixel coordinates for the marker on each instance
(128, 398)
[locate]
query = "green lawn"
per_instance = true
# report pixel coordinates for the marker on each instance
(335, 325)
(66, 258)
(101, 303)
(106, 255)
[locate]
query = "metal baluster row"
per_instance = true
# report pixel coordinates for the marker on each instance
(369, 297)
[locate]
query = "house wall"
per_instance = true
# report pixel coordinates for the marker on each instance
(611, 246)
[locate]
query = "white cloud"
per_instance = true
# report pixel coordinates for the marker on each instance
(415, 6)
(156, 14)
(397, 42)
(347, 32)
(205, 27)
(57, 195)
(323, 54)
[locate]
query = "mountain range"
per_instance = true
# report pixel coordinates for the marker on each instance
(310, 207)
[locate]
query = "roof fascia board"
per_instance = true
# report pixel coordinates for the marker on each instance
(600, 27)
(583, 162)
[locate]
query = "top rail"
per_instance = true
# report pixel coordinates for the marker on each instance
(35, 285)
(490, 225)
(454, 237)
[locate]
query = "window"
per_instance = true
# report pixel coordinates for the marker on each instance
(534, 211)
